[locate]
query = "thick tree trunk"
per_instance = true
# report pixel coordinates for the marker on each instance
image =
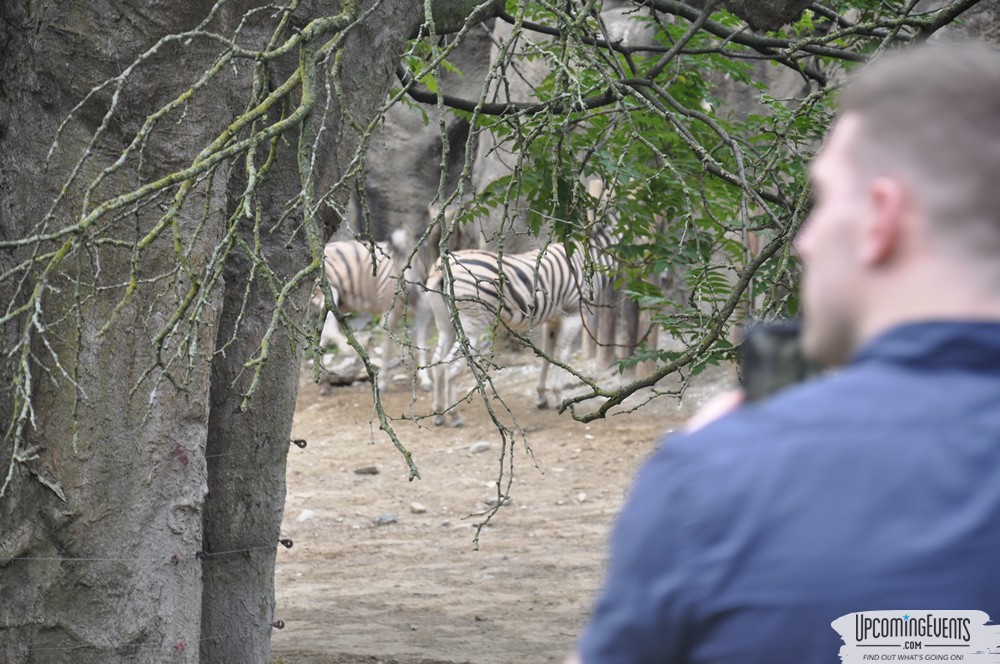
(247, 450)
(98, 533)
(103, 555)
(246, 461)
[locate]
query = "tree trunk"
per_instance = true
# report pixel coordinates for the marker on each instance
(243, 447)
(101, 518)
(106, 535)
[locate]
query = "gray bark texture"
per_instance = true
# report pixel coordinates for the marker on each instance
(137, 489)
(247, 450)
(105, 526)
(759, 14)
(402, 171)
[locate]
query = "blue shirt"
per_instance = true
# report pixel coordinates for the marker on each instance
(877, 488)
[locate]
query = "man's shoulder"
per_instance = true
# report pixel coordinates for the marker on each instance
(786, 418)
(789, 437)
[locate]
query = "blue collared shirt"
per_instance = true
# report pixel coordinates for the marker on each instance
(877, 488)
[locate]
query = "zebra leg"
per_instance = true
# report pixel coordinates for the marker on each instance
(331, 335)
(549, 331)
(566, 343)
(388, 348)
(421, 320)
(439, 373)
(452, 367)
(444, 353)
(445, 404)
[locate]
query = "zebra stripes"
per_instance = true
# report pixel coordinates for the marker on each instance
(374, 279)
(543, 287)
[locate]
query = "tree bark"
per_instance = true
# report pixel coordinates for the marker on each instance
(107, 536)
(99, 531)
(247, 449)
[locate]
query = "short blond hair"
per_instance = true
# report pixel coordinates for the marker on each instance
(931, 114)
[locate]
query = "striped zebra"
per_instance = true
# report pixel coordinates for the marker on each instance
(542, 287)
(376, 279)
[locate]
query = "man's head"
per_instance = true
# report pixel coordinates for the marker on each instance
(906, 222)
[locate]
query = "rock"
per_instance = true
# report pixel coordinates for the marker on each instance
(398, 193)
(305, 515)
(492, 501)
(481, 446)
(481, 618)
(769, 15)
(417, 508)
(366, 470)
(341, 370)
(385, 519)
(581, 497)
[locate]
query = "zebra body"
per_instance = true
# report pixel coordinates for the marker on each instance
(374, 279)
(542, 287)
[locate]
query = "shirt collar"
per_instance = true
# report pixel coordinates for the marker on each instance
(937, 344)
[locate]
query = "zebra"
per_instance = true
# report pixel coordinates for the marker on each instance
(377, 279)
(542, 287)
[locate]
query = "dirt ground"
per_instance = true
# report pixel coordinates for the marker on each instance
(385, 570)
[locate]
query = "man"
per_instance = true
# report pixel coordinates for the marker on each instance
(877, 488)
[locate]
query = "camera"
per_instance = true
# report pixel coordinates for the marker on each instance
(771, 358)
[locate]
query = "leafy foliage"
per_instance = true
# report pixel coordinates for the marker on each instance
(705, 195)
(703, 160)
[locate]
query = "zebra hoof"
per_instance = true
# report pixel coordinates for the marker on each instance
(438, 420)
(457, 423)
(542, 403)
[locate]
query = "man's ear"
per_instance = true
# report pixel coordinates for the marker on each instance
(882, 229)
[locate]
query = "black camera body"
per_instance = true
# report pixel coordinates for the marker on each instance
(771, 358)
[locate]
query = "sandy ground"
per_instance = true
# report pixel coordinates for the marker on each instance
(386, 570)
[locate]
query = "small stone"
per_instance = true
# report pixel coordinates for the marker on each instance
(581, 497)
(305, 515)
(492, 501)
(445, 524)
(481, 446)
(413, 628)
(480, 617)
(366, 470)
(417, 508)
(385, 519)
